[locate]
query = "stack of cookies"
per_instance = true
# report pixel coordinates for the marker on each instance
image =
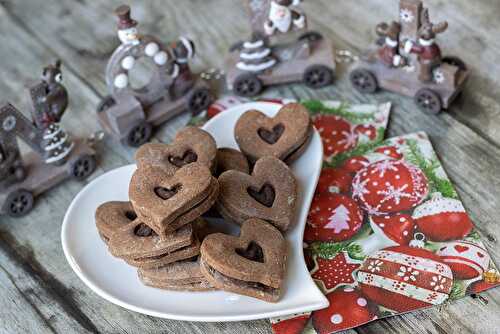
(161, 232)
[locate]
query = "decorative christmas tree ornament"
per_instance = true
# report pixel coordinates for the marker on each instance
(53, 158)
(348, 308)
(336, 134)
(280, 51)
(395, 230)
(355, 164)
(334, 180)
(293, 324)
(333, 217)
(131, 110)
(443, 219)
(390, 152)
(389, 186)
(467, 260)
(333, 273)
(408, 61)
(403, 278)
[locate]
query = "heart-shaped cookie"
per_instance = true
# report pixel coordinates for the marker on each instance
(231, 159)
(111, 216)
(252, 264)
(191, 144)
(140, 246)
(269, 193)
(166, 201)
(180, 276)
(283, 136)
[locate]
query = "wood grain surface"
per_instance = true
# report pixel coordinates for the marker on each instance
(39, 293)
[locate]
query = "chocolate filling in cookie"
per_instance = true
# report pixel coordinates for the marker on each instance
(265, 195)
(188, 157)
(240, 284)
(272, 137)
(167, 193)
(253, 252)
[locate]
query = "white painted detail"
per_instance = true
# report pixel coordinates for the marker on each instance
(151, 49)
(121, 81)
(256, 68)
(161, 58)
(128, 62)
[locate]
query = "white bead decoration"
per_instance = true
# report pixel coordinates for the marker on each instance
(161, 58)
(128, 62)
(151, 49)
(121, 81)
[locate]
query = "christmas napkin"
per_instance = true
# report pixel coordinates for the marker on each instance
(386, 233)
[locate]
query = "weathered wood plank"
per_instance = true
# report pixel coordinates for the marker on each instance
(83, 36)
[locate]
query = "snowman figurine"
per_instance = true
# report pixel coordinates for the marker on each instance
(283, 18)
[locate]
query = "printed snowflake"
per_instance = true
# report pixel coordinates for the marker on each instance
(438, 282)
(393, 193)
(359, 188)
(438, 76)
(406, 15)
(384, 166)
(407, 274)
(350, 139)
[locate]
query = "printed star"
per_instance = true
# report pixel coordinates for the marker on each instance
(384, 166)
(335, 272)
(394, 193)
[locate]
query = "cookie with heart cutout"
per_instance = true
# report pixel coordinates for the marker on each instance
(269, 193)
(165, 202)
(191, 144)
(178, 276)
(231, 159)
(138, 245)
(284, 136)
(111, 216)
(253, 264)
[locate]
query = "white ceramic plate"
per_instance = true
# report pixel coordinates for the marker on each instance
(117, 282)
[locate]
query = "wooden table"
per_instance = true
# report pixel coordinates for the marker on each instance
(39, 292)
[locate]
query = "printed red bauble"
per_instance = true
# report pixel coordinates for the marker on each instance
(333, 217)
(355, 164)
(366, 130)
(389, 186)
(290, 325)
(334, 180)
(348, 308)
(480, 286)
(390, 151)
(467, 260)
(443, 219)
(336, 134)
(404, 278)
(224, 104)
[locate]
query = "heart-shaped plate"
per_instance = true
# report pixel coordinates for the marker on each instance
(118, 283)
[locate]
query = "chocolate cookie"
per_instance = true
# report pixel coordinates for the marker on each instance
(191, 144)
(252, 264)
(269, 193)
(111, 216)
(284, 136)
(166, 202)
(181, 276)
(231, 159)
(140, 246)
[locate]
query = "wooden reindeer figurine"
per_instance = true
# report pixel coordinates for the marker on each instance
(389, 52)
(51, 101)
(429, 53)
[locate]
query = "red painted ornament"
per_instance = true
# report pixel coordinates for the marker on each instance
(368, 131)
(389, 186)
(348, 308)
(443, 219)
(290, 325)
(403, 278)
(333, 217)
(336, 134)
(467, 260)
(355, 164)
(334, 180)
(390, 151)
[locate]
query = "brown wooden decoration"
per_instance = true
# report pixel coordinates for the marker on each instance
(130, 113)
(281, 50)
(54, 155)
(410, 62)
